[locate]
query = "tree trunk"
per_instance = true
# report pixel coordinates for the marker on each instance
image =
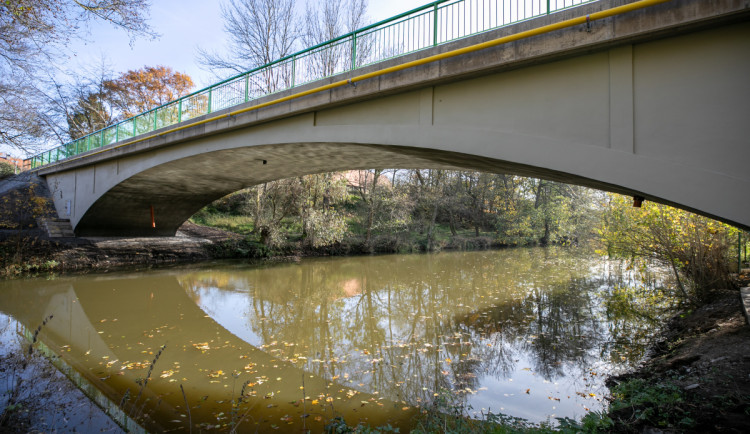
(256, 220)
(545, 238)
(432, 226)
(452, 222)
(371, 203)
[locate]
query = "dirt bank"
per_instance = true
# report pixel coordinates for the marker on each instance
(41, 253)
(697, 379)
(191, 244)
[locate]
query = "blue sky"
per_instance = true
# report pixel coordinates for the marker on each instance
(183, 25)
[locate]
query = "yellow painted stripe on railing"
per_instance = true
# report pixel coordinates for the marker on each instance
(434, 58)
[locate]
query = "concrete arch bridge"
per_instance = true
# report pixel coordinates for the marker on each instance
(651, 102)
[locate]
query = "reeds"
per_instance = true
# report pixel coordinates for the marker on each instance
(236, 418)
(144, 382)
(187, 406)
(36, 333)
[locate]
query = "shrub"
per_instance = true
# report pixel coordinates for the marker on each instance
(696, 249)
(6, 170)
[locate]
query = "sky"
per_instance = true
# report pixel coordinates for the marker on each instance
(183, 25)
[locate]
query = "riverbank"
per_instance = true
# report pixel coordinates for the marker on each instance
(31, 251)
(697, 378)
(40, 254)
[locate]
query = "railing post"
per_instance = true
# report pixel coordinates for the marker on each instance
(247, 85)
(547, 7)
(179, 110)
(155, 110)
(435, 25)
(210, 94)
(354, 51)
(294, 71)
(117, 132)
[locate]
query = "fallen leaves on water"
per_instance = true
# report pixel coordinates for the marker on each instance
(203, 346)
(135, 365)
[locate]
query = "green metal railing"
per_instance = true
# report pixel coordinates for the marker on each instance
(430, 25)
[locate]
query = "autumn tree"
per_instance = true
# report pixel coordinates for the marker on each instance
(33, 40)
(101, 99)
(137, 91)
(696, 249)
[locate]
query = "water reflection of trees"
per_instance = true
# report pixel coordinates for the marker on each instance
(409, 326)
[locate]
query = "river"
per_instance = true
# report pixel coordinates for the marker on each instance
(530, 333)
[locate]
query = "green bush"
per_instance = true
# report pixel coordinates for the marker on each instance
(6, 170)
(244, 248)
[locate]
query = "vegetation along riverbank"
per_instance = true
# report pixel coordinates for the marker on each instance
(696, 378)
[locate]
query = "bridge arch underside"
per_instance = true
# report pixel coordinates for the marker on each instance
(178, 189)
(665, 119)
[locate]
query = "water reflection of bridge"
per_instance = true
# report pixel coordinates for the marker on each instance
(110, 330)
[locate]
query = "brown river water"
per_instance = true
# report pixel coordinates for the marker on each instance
(530, 333)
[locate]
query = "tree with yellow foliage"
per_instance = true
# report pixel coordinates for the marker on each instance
(697, 249)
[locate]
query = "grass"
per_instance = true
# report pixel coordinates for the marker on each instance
(235, 223)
